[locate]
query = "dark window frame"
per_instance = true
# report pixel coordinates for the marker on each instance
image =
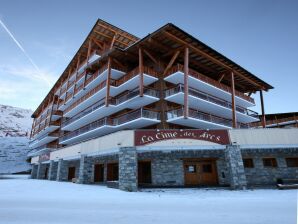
(291, 159)
(271, 160)
(248, 163)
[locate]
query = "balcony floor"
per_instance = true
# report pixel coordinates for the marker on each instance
(103, 111)
(178, 77)
(196, 123)
(43, 141)
(106, 129)
(132, 84)
(88, 102)
(209, 107)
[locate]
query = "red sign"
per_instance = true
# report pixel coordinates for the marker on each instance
(143, 137)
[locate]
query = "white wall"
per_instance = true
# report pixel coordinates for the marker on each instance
(269, 136)
(108, 142)
(34, 159)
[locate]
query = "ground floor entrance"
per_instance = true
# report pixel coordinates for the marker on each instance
(98, 173)
(144, 173)
(200, 173)
(71, 173)
(112, 171)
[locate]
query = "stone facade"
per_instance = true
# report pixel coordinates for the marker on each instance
(85, 170)
(260, 175)
(41, 171)
(34, 171)
(53, 170)
(234, 162)
(128, 168)
(62, 170)
(167, 166)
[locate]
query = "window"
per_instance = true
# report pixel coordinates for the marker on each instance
(292, 162)
(248, 163)
(207, 168)
(191, 168)
(269, 162)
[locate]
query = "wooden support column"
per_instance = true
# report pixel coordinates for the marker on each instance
(186, 64)
(89, 51)
(141, 71)
(234, 119)
(263, 110)
(108, 82)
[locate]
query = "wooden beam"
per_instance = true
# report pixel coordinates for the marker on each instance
(263, 110)
(100, 45)
(108, 82)
(214, 60)
(176, 54)
(159, 45)
(141, 71)
(113, 40)
(150, 56)
(89, 50)
(234, 119)
(107, 36)
(221, 77)
(122, 34)
(186, 64)
(119, 64)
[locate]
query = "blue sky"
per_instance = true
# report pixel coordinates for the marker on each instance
(261, 36)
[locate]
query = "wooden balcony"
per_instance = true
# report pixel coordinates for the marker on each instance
(208, 81)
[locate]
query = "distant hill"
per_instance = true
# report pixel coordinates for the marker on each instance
(15, 126)
(14, 122)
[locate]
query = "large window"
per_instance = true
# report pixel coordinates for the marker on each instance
(292, 162)
(248, 163)
(269, 162)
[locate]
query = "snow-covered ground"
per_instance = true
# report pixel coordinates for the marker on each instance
(13, 155)
(41, 201)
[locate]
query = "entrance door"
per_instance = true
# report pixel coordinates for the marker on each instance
(46, 173)
(112, 171)
(200, 173)
(71, 173)
(144, 172)
(98, 172)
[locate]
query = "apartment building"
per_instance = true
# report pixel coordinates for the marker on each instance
(166, 81)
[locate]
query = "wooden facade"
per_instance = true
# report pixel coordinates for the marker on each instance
(158, 55)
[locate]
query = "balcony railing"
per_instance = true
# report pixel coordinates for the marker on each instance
(112, 122)
(205, 96)
(89, 127)
(208, 80)
(135, 115)
(203, 116)
(134, 73)
(129, 95)
(114, 101)
(86, 111)
(43, 136)
(88, 95)
(47, 123)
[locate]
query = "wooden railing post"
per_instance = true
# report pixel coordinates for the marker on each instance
(108, 82)
(234, 119)
(186, 70)
(263, 110)
(141, 71)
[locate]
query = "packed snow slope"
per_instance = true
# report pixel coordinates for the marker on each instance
(15, 125)
(43, 201)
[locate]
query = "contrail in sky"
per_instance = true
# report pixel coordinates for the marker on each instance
(25, 53)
